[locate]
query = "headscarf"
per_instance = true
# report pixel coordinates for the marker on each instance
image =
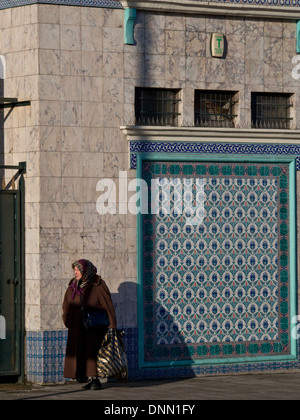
(88, 271)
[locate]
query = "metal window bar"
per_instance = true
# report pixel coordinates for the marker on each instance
(215, 109)
(271, 111)
(157, 107)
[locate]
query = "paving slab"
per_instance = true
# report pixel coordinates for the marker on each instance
(277, 386)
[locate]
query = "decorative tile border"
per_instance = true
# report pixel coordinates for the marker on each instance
(271, 3)
(140, 146)
(113, 4)
(45, 358)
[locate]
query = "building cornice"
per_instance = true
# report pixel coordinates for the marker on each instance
(260, 8)
(188, 134)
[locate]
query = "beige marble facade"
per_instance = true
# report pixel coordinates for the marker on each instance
(72, 64)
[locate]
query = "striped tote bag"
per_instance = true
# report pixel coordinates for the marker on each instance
(112, 360)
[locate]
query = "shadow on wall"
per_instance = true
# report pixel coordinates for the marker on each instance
(125, 303)
(126, 306)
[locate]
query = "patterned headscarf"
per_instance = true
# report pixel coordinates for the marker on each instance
(88, 271)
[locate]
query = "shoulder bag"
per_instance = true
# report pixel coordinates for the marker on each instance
(94, 318)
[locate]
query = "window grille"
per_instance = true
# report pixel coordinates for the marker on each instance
(271, 110)
(215, 108)
(157, 106)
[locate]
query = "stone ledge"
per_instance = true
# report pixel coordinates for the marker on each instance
(211, 134)
(215, 7)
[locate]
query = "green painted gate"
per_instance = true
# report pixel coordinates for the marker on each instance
(11, 276)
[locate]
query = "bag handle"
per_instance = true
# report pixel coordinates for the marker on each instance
(81, 304)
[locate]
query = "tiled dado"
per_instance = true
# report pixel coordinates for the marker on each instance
(45, 353)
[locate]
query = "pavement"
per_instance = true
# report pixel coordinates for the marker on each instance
(173, 393)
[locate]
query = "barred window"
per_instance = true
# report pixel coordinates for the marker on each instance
(157, 106)
(215, 108)
(271, 110)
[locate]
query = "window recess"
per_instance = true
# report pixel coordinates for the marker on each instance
(216, 108)
(157, 107)
(271, 110)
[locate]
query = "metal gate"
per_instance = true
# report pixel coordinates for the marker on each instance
(12, 273)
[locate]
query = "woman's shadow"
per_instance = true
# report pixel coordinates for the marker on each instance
(163, 347)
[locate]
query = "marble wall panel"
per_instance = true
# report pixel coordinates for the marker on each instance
(72, 64)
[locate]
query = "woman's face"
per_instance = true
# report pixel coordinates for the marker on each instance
(77, 274)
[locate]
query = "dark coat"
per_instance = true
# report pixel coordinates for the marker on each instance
(83, 346)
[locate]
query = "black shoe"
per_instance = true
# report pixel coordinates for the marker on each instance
(95, 385)
(82, 380)
(87, 386)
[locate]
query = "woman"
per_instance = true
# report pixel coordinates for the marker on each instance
(83, 345)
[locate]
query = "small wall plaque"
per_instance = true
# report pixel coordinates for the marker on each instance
(217, 45)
